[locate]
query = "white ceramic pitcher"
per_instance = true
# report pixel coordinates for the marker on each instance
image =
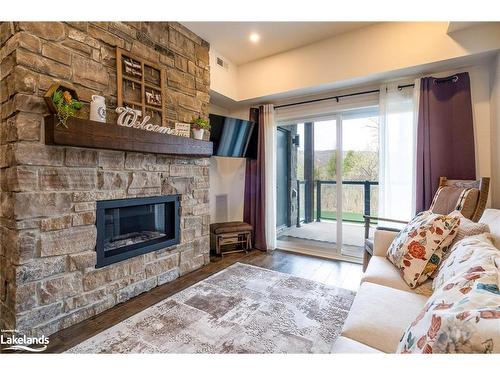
(98, 108)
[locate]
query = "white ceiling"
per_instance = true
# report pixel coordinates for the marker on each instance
(231, 39)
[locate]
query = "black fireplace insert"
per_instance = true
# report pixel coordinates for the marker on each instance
(130, 227)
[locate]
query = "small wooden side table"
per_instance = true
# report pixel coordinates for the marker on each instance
(236, 235)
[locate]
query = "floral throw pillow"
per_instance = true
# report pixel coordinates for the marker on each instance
(466, 229)
(463, 316)
(465, 255)
(417, 250)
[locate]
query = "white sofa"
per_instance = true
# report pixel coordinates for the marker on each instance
(384, 305)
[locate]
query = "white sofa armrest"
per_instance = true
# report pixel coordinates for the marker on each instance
(382, 240)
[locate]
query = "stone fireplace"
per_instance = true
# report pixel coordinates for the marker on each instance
(52, 196)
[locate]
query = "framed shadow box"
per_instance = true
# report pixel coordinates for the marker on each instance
(140, 86)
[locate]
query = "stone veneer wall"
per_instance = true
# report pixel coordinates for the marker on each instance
(49, 193)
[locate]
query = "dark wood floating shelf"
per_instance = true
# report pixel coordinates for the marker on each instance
(86, 133)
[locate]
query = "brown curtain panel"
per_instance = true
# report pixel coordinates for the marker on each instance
(445, 136)
(255, 192)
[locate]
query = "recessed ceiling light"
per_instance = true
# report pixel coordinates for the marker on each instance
(254, 37)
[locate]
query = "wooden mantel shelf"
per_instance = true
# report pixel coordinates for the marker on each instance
(86, 133)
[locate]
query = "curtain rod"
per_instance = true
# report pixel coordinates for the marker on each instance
(337, 97)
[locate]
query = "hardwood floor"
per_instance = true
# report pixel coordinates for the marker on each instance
(331, 272)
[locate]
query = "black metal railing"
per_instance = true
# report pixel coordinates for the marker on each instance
(319, 183)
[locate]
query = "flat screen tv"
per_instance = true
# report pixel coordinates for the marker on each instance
(233, 137)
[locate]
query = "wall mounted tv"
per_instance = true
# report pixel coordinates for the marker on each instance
(233, 137)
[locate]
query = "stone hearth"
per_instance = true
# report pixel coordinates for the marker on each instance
(48, 279)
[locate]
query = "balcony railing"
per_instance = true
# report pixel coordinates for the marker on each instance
(319, 212)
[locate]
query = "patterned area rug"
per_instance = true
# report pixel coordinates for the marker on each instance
(242, 309)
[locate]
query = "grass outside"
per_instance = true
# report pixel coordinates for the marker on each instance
(346, 216)
(352, 217)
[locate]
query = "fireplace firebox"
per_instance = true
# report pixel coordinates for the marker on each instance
(130, 227)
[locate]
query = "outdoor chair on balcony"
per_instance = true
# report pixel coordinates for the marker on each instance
(467, 196)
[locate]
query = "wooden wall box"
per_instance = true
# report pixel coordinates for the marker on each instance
(92, 134)
(139, 85)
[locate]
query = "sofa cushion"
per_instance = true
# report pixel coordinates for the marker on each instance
(379, 316)
(491, 217)
(382, 272)
(345, 345)
(467, 254)
(418, 248)
(468, 228)
(382, 239)
(467, 203)
(451, 198)
(462, 316)
(445, 200)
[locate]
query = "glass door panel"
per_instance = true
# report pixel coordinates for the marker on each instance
(290, 202)
(325, 183)
(360, 170)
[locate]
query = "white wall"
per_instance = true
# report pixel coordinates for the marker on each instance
(227, 177)
(367, 52)
(218, 110)
(223, 79)
(495, 131)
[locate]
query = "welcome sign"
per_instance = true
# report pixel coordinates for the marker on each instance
(129, 118)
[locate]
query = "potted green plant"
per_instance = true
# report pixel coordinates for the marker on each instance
(63, 102)
(66, 106)
(199, 126)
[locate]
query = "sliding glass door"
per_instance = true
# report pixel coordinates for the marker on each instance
(333, 169)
